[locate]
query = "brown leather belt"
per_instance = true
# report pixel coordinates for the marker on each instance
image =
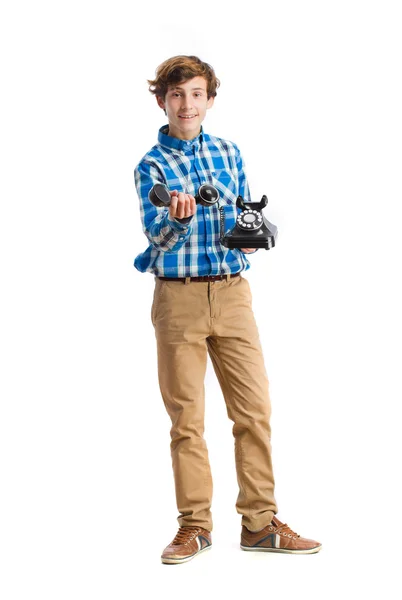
(202, 278)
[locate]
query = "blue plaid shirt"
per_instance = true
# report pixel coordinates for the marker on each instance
(190, 248)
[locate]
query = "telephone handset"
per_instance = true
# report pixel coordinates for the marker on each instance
(207, 195)
(252, 230)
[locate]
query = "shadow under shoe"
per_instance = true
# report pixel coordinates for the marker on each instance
(188, 542)
(277, 537)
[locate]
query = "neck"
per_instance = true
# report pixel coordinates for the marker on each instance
(180, 136)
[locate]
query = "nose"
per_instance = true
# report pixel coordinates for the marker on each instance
(186, 101)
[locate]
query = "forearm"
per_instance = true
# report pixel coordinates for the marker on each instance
(167, 234)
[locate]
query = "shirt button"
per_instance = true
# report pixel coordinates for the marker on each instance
(207, 216)
(209, 248)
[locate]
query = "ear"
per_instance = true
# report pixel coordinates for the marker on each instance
(161, 102)
(210, 102)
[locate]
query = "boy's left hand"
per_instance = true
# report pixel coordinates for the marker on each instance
(248, 250)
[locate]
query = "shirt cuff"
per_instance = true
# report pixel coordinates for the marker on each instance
(180, 225)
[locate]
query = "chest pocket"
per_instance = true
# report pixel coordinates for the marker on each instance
(226, 184)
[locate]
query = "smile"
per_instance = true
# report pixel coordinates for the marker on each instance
(187, 117)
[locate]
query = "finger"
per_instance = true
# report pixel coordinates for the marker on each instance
(179, 210)
(193, 205)
(183, 207)
(187, 208)
(173, 206)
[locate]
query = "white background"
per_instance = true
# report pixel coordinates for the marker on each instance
(311, 93)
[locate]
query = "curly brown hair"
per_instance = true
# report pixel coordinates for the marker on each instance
(179, 69)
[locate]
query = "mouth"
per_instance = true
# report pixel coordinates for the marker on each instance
(187, 117)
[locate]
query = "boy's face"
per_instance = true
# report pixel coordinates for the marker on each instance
(186, 99)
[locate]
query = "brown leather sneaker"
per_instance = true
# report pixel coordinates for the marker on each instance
(277, 537)
(188, 542)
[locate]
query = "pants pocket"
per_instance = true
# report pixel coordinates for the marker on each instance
(159, 288)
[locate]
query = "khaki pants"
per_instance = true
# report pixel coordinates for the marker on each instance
(192, 319)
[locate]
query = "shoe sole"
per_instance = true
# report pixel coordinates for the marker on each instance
(282, 550)
(175, 561)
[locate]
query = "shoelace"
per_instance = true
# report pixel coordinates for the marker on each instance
(185, 535)
(285, 529)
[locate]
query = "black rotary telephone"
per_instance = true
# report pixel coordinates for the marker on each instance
(252, 230)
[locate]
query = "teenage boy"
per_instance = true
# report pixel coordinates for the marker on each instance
(202, 305)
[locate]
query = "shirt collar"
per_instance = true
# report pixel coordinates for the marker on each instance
(175, 144)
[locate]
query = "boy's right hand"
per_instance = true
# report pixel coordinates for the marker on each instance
(181, 205)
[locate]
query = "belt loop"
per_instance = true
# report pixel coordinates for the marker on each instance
(187, 280)
(228, 277)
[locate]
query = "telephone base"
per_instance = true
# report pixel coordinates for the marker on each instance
(247, 243)
(263, 238)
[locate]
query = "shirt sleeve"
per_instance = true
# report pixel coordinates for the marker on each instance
(163, 232)
(244, 190)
